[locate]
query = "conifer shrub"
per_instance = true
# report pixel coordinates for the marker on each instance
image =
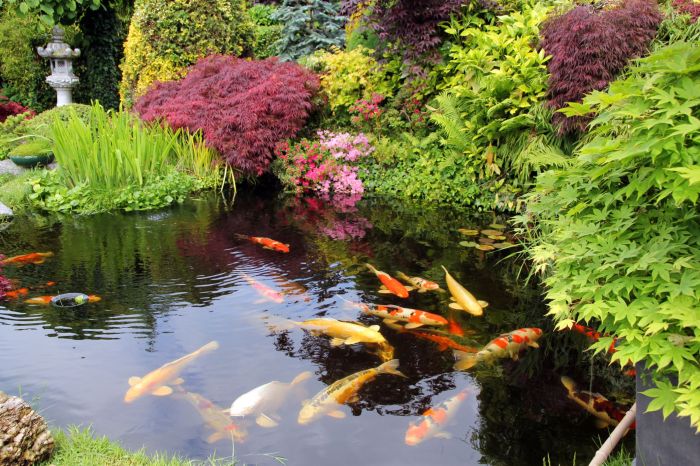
(243, 108)
(590, 47)
(309, 25)
(167, 36)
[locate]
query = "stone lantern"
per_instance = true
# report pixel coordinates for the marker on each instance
(61, 57)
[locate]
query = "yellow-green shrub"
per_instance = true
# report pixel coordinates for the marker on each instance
(352, 75)
(167, 36)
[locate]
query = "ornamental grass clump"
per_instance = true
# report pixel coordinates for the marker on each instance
(242, 108)
(589, 47)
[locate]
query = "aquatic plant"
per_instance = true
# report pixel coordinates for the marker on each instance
(243, 108)
(309, 25)
(612, 37)
(617, 234)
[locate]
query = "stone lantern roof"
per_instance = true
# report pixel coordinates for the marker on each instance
(57, 48)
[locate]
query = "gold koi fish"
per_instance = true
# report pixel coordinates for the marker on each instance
(434, 420)
(156, 382)
(421, 284)
(464, 300)
(505, 345)
(214, 417)
(343, 391)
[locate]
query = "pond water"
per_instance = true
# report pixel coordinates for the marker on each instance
(173, 280)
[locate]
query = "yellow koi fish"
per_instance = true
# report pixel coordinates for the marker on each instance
(214, 417)
(464, 300)
(156, 382)
(421, 284)
(505, 345)
(434, 420)
(343, 391)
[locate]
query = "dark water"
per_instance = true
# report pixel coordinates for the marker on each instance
(173, 280)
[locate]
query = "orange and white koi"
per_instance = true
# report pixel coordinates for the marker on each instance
(604, 410)
(31, 258)
(434, 420)
(464, 300)
(214, 417)
(421, 284)
(156, 382)
(267, 293)
(15, 294)
(392, 313)
(505, 345)
(343, 391)
(391, 285)
(266, 243)
(444, 343)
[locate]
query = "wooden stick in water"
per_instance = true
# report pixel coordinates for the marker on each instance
(606, 448)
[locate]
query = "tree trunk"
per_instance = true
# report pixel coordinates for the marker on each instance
(24, 436)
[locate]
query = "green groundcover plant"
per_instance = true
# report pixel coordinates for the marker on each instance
(619, 231)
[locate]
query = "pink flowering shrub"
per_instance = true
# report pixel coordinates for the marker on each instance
(366, 113)
(333, 217)
(325, 166)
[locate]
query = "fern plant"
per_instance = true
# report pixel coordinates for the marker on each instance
(309, 25)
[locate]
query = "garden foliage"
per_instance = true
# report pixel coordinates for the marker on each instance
(611, 36)
(243, 108)
(167, 36)
(9, 108)
(309, 25)
(52, 11)
(266, 31)
(619, 231)
(688, 7)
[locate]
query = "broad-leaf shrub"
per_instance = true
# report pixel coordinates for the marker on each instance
(9, 108)
(309, 25)
(266, 31)
(590, 47)
(243, 108)
(167, 36)
(619, 231)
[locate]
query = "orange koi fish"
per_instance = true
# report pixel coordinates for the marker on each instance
(414, 317)
(421, 284)
(593, 335)
(266, 243)
(14, 294)
(444, 343)
(391, 285)
(453, 327)
(605, 411)
(214, 417)
(434, 420)
(506, 345)
(267, 293)
(156, 382)
(31, 258)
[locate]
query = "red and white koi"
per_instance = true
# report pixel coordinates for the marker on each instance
(391, 285)
(605, 411)
(421, 284)
(435, 419)
(506, 345)
(267, 293)
(392, 313)
(266, 243)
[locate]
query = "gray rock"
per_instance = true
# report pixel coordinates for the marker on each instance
(5, 211)
(8, 166)
(24, 436)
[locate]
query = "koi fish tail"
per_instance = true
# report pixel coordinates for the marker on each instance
(240, 236)
(403, 276)
(280, 324)
(391, 367)
(301, 377)
(465, 361)
(371, 268)
(568, 383)
(211, 346)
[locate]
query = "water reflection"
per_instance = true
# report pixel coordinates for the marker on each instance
(175, 279)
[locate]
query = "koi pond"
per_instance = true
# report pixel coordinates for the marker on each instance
(186, 285)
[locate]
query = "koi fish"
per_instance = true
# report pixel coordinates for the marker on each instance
(421, 284)
(453, 327)
(593, 335)
(31, 258)
(214, 417)
(265, 400)
(414, 317)
(434, 420)
(266, 243)
(604, 410)
(391, 285)
(291, 287)
(15, 294)
(156, 382)
(444, 343)
(464, 300)
(46, 300)
(267, 293)
(506, 345)
(343, 391)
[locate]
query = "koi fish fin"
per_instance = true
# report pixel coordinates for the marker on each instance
(456, 306)
(374, 327)
(353, 399)
(301, 378)
(391, 367)
(601, 424)
(385, 291)
(178, 381)
(162, 391)
(265, 421)
(134, 380)
(422, 290)
(337, 342)
(413, 325)
(533, 344)
(352, 340)
(483, 304)
(515, 356)
(403, 276)
(390, 321)
(443, 435)
(215, 437)
(410, 288)
(465, 361)
(442, 347)
(336, 413)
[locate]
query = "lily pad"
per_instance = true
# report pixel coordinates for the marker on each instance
(467, 232)
(484, 247)
(485, 240)
(497, 226)
(497, 237)
(503, 245)
(491, 232)
(468, 244)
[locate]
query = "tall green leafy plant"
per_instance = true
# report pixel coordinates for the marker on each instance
(309, 25)
(619, 231)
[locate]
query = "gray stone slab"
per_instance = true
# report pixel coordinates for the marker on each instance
(8, 166)
(5, 211)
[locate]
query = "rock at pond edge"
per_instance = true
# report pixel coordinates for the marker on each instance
(5, 211)
(25, 438)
